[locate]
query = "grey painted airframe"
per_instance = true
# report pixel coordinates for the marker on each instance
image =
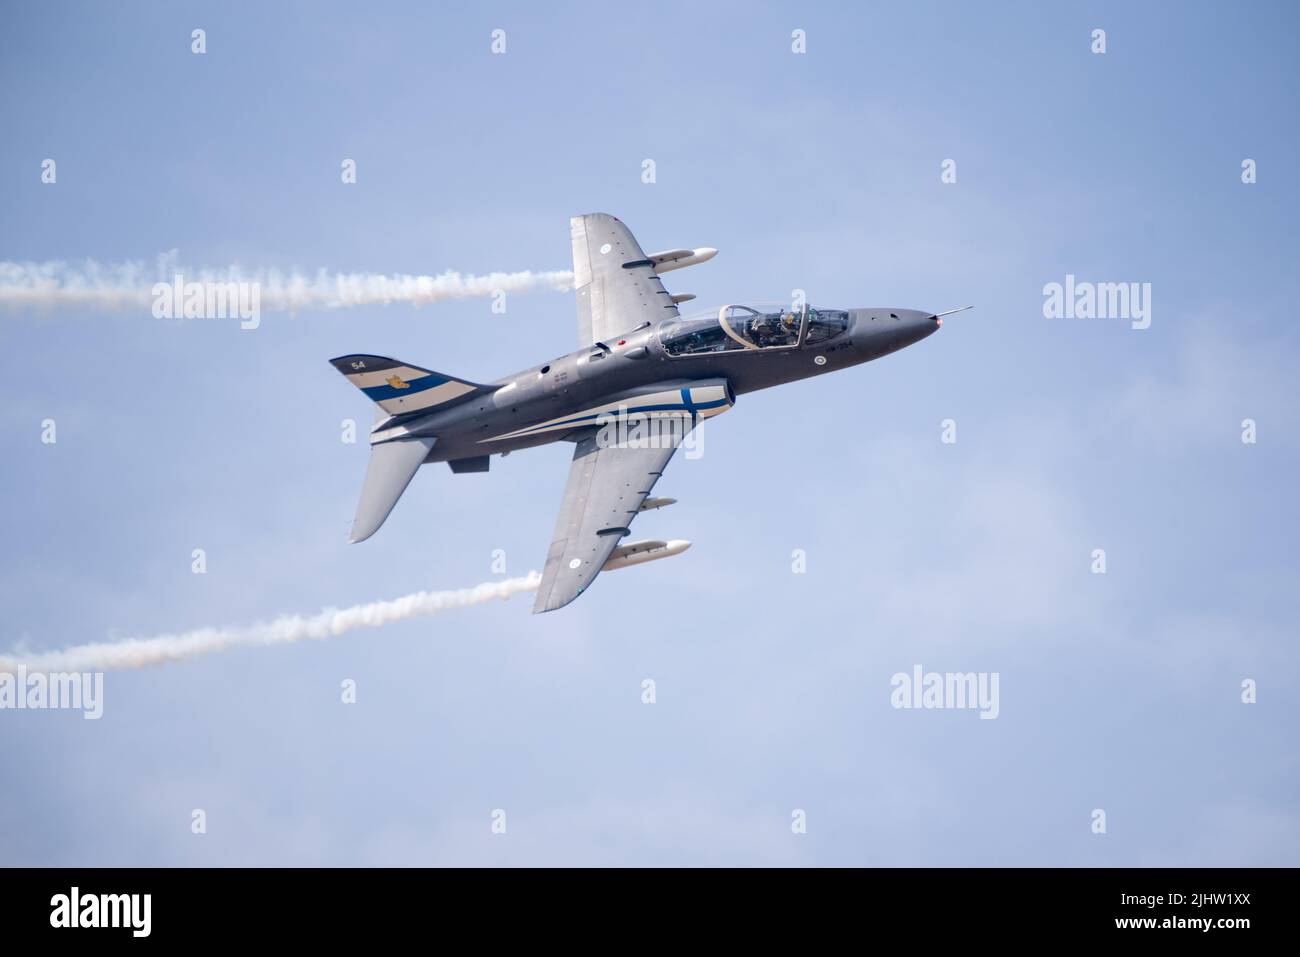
(642, 378)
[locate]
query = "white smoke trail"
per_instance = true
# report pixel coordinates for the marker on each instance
(119, 285)
(139, 652)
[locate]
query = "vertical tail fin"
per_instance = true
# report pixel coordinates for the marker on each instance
(399, 387)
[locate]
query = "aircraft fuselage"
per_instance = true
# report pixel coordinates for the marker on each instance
(516, 415)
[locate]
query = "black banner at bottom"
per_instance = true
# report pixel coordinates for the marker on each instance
(331, 906)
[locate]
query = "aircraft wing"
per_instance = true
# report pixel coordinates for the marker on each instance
(606, 489)
(616, 283)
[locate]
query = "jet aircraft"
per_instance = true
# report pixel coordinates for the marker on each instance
(643, 376)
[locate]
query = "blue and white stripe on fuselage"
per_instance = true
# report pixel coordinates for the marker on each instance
(695, 402)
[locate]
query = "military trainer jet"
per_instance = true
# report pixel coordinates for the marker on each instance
(640, 381)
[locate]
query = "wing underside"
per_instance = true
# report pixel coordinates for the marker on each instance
(616, 284)
(606, 488)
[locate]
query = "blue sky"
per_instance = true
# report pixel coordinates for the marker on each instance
(818, 171)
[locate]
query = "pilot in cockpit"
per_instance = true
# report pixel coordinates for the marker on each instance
(764, 330)
(771, 329)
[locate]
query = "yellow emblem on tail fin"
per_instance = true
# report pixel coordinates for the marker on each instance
(397, 383)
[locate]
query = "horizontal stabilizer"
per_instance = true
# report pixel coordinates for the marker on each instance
(392, 466)
(399, 387)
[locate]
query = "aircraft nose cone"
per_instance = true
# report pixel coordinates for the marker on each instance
(885, 329)
(918, 325)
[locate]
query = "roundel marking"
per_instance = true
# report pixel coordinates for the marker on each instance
(575, 563)
(820, 360)
(605, 248)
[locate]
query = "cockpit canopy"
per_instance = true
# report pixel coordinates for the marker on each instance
(735, 328)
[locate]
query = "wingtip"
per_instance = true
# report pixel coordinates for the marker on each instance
(545, 603)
